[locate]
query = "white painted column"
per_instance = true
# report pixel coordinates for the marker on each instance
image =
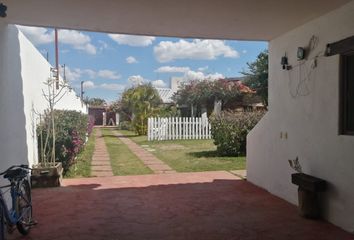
(117, 119)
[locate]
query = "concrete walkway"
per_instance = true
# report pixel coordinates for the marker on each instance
(101, 164)
(155, 164)
(240, 173)
(176, 206)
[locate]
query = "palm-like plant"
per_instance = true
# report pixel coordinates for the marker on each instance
(139, 103)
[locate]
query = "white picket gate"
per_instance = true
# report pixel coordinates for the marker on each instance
(178, 128)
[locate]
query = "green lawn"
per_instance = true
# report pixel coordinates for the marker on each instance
(123, 161)
(189, 155)
(82, 166)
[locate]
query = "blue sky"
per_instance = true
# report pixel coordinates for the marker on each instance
(109, 63)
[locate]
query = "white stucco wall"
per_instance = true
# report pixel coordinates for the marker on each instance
(23, 73)
(310, 120)
(13, 147)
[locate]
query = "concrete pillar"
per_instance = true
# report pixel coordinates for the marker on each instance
(217, 107)
(104, 117)
(117, 119)
(204, 112)
(192, 110)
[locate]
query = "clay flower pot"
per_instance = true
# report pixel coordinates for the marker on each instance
(47, 176)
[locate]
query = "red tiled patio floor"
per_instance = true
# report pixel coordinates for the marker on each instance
(209, 205)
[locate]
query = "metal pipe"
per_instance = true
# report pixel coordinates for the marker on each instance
(56, 58)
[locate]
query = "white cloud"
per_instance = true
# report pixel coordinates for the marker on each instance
(88, 72)
(77, 73)
(132, 40)
(202, 69)
(89, 85)
(105, 86)
(193, 75)
(103, 45)
(169, 69)
(72, 74)
(244, 51)
(112, 86)
(131, 60)
(158, 83)
(37, 35)
(76, 39)
(167, 51)
(136, 80)
(108, 74)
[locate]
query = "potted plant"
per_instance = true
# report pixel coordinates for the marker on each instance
(48, 172)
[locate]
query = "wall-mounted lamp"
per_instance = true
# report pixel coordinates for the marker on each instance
(3, 9)
(301, 53)
(284, 62)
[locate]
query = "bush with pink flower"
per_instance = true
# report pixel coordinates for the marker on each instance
(71, 130)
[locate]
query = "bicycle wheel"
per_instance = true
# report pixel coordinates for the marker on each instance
(2, 223)
(24, 207)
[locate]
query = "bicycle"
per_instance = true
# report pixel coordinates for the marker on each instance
(20, 214)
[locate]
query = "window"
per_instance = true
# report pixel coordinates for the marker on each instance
(347, 94)
(345, 48)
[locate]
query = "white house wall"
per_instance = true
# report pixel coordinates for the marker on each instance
(13, 145)
(23, 73)
(304, 123)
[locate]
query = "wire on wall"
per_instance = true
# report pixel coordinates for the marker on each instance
(305, 72)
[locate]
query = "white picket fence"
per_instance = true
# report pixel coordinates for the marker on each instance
(178, 128)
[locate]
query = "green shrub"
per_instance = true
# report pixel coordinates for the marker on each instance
(125, 125)
(169, 111)
(70, 135)
(140, 103)
(230, 129)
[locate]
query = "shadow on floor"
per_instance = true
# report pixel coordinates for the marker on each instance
(220, 209)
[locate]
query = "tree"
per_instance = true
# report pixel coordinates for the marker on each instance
(95, 101)
(257, 76)
(56, 90)
(205, 93)
(138, 104)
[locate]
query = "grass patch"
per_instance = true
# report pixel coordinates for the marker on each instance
(82, 166)
(123, 161)
(189, 155)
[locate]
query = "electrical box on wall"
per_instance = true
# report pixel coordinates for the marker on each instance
(3, 9)
(301, 53)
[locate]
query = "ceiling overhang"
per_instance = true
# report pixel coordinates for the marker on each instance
(220, 19)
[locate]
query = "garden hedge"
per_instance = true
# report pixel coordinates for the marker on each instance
(230, 129)
(71, 132)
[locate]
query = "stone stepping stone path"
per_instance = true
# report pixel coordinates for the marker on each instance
(155, 164)
(148, 148)
(101, 164)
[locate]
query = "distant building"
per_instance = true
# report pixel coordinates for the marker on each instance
(102, 116)
(165, 95)
(250, 102)
(176, 83)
